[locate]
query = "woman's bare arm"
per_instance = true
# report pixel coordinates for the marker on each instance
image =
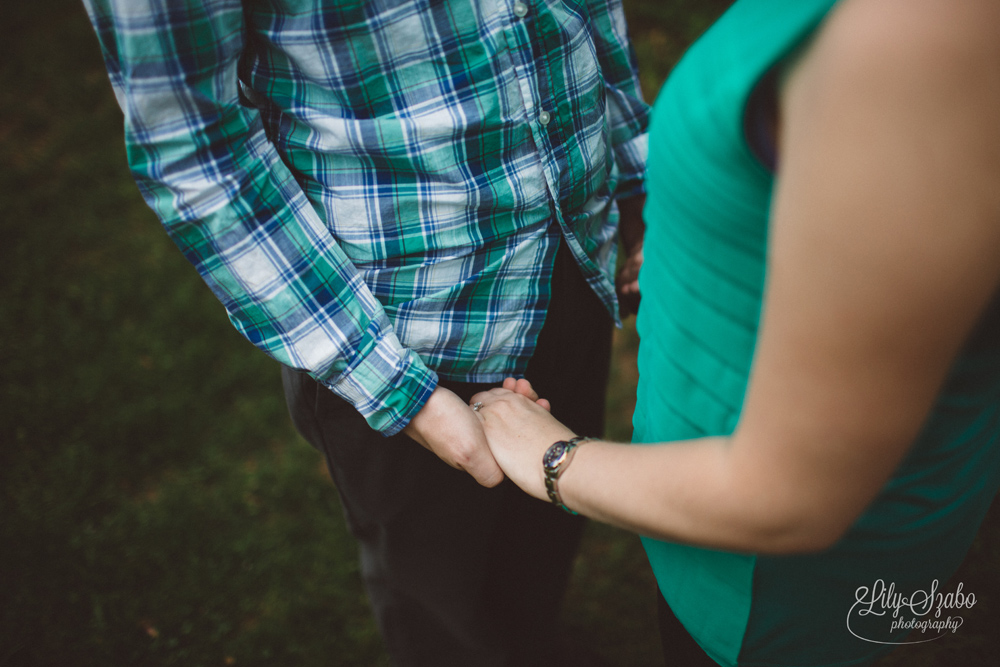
(884, 250)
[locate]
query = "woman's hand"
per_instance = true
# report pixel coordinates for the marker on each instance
(519, 429)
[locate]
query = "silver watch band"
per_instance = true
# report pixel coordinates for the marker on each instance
(554, 463)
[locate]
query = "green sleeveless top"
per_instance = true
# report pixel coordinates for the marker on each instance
(702, 282)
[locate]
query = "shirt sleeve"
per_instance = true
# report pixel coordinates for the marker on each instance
(628, 113)
(205, 166)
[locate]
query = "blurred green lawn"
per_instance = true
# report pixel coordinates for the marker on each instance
(156, 507)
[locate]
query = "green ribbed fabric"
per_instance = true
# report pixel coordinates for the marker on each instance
(702, 284)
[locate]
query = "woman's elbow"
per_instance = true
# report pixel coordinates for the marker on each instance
(799, 530)
(798, 540)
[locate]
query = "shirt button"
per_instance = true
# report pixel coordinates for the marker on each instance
(544, 117)
(520, 9)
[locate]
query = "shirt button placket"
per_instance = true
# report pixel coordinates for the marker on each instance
(520, 11)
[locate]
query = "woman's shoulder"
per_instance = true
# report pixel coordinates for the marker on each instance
(916, 70)
(929, 42)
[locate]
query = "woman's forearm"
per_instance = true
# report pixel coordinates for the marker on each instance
(731, 493)
(694, 492)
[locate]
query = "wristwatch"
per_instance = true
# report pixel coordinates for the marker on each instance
(554, 463)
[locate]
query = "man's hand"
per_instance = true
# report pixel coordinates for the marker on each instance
(631, 231)
(447, 426)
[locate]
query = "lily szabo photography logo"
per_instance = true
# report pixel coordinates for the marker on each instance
(881, 612)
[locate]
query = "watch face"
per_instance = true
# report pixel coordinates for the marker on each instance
(554, 454)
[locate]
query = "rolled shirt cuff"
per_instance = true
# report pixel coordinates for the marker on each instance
(387, 383)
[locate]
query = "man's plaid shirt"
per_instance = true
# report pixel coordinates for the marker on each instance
(375, 189)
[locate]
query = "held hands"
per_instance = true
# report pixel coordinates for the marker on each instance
(507, 435)
(447, 427)
(519, 429)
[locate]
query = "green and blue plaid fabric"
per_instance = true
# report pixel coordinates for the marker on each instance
(375, 189)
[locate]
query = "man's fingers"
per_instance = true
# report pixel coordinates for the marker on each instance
(478, 461)
(524, 388)
(447, 427)
(520, 386)
(486, 471)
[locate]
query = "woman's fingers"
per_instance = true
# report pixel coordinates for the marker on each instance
(509, 386)
(485, 398)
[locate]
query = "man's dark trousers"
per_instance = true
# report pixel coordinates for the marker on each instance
(457, 574)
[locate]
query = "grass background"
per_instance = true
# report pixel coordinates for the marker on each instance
(156, 507)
